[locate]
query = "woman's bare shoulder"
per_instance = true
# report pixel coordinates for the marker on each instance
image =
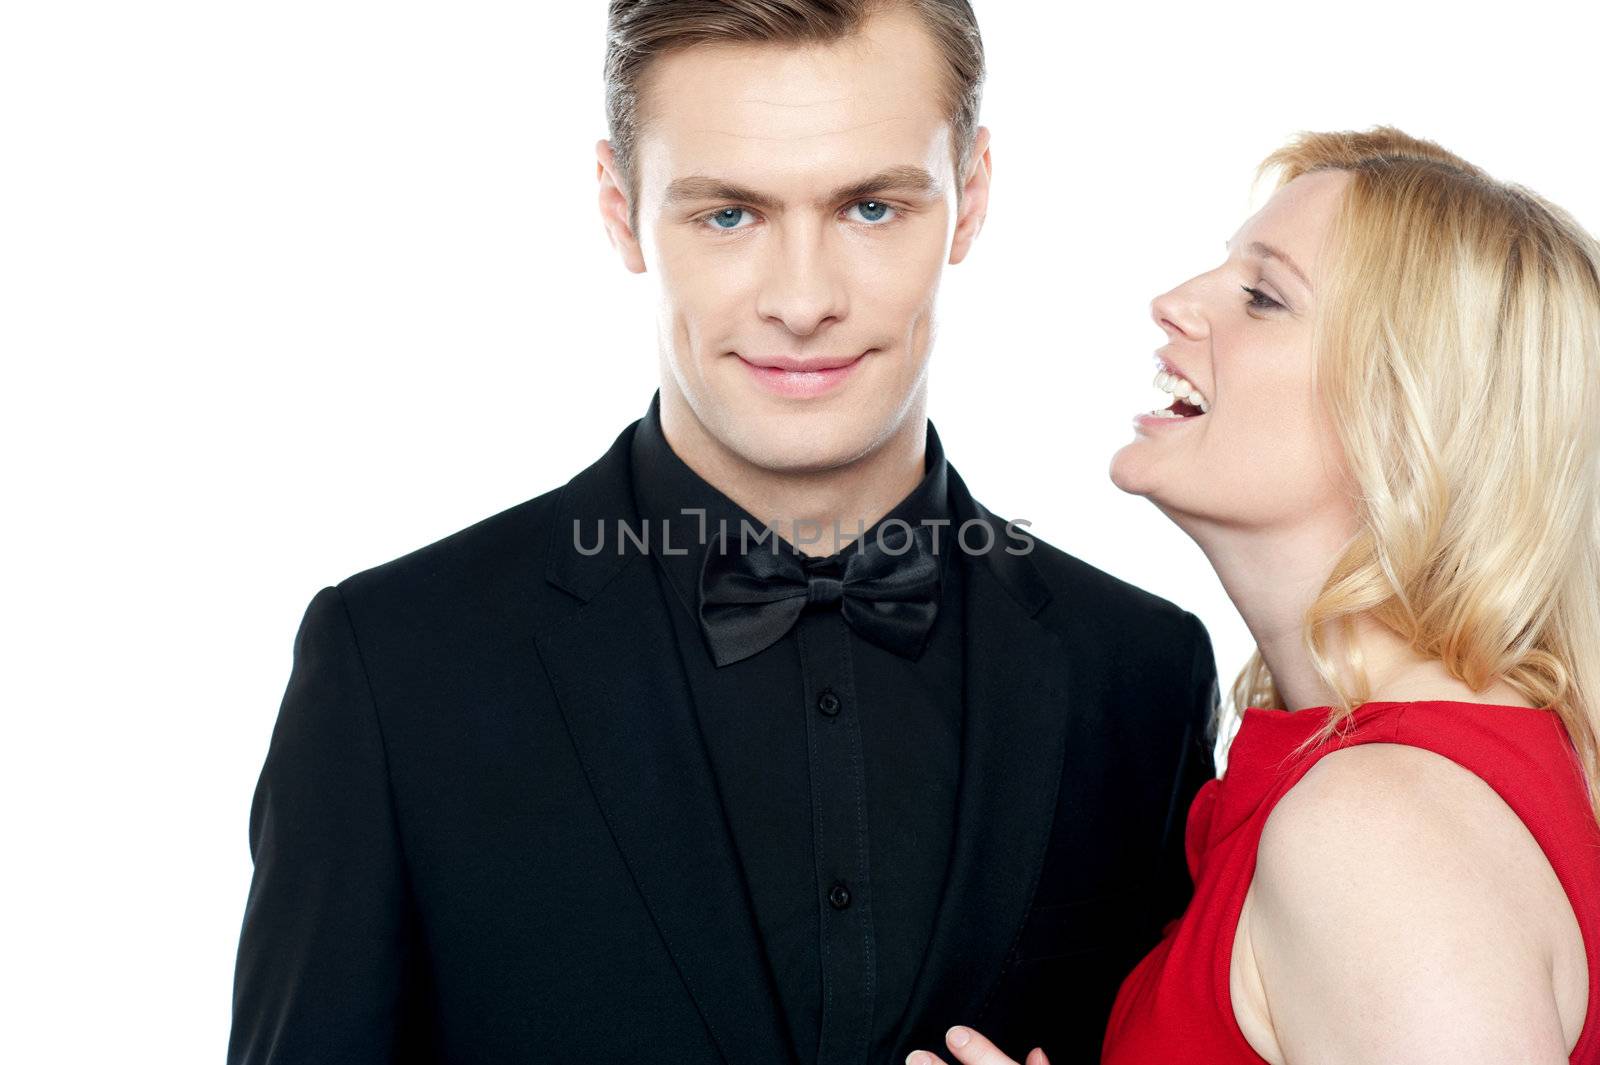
(1401, 910)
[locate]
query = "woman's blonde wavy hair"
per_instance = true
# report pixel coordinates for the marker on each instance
(1458, 351)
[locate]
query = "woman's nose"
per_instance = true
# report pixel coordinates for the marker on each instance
(1179, 314)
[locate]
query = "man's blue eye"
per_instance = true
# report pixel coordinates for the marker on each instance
(728, 217)
(872, 210)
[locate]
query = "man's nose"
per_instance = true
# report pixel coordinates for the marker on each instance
(802, 287)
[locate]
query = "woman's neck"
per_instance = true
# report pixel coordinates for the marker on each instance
(1274, 575)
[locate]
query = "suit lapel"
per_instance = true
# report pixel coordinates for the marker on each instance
(615, 671)
(1013, 744)
(635, 732)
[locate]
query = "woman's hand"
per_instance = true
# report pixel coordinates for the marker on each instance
(971, 1048)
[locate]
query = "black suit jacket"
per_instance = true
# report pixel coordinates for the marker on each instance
(487, 831)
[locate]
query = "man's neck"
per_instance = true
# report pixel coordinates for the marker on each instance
(805, 505)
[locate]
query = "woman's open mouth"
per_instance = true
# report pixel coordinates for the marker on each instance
(1188, 402)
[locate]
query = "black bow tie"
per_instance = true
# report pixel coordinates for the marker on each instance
(888, 592)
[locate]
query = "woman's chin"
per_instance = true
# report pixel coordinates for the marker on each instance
(1132, 473)
(1136, 479)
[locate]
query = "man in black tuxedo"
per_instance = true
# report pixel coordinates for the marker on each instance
(760, 740)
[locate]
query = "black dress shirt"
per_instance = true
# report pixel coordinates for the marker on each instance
(488, 825)
(836, 762)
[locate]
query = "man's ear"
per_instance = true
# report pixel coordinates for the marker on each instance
(614, 209)
(974, 197)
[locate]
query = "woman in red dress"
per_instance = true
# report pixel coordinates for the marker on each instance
(1387, 443)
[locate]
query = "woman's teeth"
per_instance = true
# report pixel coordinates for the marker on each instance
(1177, 386)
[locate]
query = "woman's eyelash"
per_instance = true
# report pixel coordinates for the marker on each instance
(1260, 300)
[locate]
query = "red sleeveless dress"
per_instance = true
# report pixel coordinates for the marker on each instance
(1176, 1007)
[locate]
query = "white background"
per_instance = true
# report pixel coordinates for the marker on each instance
(289, 289)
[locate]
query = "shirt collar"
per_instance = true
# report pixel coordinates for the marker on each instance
(664, 486)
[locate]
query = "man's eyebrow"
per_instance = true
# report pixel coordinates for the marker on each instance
(909, 179)
(1267, 251)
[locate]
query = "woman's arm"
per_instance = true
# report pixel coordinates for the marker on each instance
(1402, 913)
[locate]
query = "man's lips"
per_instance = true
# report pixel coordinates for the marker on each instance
(794, 365)
(793, 378)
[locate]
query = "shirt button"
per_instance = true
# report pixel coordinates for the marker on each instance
(839, 896)
(828, 702)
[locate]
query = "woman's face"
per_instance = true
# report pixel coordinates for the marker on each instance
(1253, 447)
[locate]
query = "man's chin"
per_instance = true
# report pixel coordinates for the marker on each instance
(801, 437)
(797, 448)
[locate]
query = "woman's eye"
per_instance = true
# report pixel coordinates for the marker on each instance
(728, 218)
(872, 211)
(1260, 300)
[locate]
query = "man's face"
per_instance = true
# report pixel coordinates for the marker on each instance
(797, 206)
